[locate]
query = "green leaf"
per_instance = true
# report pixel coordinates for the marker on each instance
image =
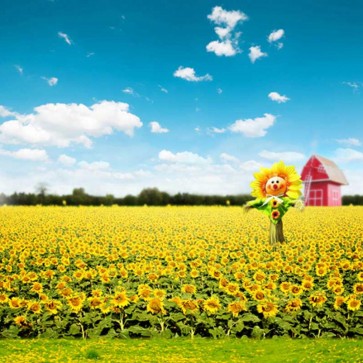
(50, 334)
(137, 330)
(250, 318)
(74, 329)
(177, 317)
(12, 332)
(257, 332)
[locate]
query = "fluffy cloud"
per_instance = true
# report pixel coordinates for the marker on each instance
(226, 18)
(51, 81)
(286, 156)
(4, 112)
(350, 141)
(129, 91)
(95, 165)
(227, 44)
(256, 53)
(27, 154)
(188, 74)
(228, 158)
(225, 47)
(275, 96)
(276, 35)
(184, 157)
(19, 69)
(346, 155)
(60, 124)
(216, 130)
(66, 160)
(156, 128)
(65, 37)
(253, 127)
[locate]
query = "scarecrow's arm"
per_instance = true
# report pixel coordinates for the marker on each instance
(253, 204)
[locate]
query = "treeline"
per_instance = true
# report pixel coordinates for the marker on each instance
(148, 196)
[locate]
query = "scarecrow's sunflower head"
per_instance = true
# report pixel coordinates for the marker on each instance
(289, 181)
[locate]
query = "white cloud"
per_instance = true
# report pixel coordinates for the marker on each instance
(250, 165)
(227, 44)
(129, 91)
(256, 53)
(19, 69)
(253, 127)
(275, 96)
(351, 141)
(162, 89)
(225, 47)
(216, 130)
(219, 90)
(51, 81)
(188, 74)
(228, 158)
(276, 35)
(27, 154)
(346, 155)
(286, 156)
(4, 112)
(157, 129)
(354, 85)
(184, 157)
(67, 160)
(60, 124)
(226, 18)
(65, 37)
(95, 165)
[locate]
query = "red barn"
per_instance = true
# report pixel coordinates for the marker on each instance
(322, 179)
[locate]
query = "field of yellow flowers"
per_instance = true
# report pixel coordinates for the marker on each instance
(179, 271)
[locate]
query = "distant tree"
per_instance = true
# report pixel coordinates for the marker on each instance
(150, 196)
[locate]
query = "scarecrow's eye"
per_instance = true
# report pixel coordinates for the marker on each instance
(272, 182)
(277, 181)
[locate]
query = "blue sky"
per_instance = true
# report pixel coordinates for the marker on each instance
(187, 96)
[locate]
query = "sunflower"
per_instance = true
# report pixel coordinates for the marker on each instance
(21, 321)
(339, 300)
(15, 303)
(189, 289)
(120, 299)
(189, 306)
(317, 299)
(155, 306)
(236, 307)
(259, 295)
(212, 305)
(76, 303)
(52, 306)
(35, 307)
(285, 287)
(268, 309)
(232, 288)
(296, 290)
(293, 305)
(358, 288)
(3, 298)
(293, 181)
(353, 303)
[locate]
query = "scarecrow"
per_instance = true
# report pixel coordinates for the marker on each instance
(276, 190)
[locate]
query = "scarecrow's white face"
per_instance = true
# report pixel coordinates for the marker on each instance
(276, 186)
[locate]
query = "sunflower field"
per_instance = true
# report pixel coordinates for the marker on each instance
(179, 271)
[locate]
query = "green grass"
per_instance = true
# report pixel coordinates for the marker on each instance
(181, 350)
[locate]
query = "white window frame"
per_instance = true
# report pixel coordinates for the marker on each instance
(316, 197)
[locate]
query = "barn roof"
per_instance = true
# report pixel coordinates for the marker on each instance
(331, 170)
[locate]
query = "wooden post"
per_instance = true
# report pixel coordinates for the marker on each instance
(276, 233)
